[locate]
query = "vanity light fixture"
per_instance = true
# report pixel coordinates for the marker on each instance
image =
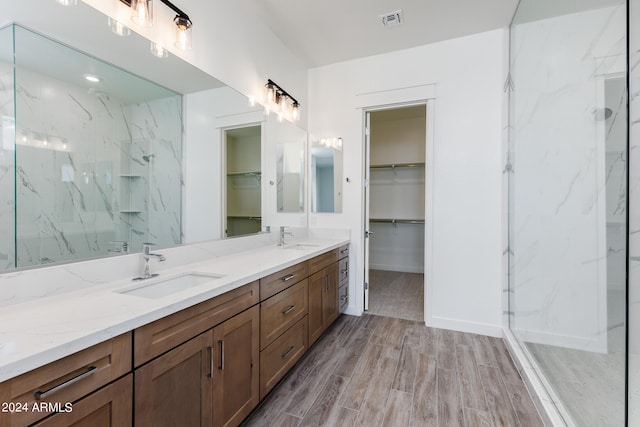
(280, 102)
(142, 13)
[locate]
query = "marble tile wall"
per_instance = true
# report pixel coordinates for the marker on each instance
(7, 151)
(92, 169)
(633, 404)
(558, 197)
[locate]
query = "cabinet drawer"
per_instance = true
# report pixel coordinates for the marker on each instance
(281, 355)
(343, 297)
(281, 311)
(321, 261)
(276, 282)
(343, 272)
(343, 251)
(67, 379)
(111, 406)
(164, 334)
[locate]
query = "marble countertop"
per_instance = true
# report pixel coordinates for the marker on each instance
(41, 331)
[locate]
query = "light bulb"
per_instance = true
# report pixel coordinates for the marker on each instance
(283, 104)
(270, 94)
(295, 111)
(142, 12)
(183, 32)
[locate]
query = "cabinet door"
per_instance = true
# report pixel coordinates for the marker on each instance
(176, 389)
(236, 380)
(317, 284)
(107, 407)
(330, 305)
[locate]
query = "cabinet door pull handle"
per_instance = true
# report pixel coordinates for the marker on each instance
(221, 344)
(288, 277)
(288, 309)
(286, 353)
(211, 361)
(43, 394)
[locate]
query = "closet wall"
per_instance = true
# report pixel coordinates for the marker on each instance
(243, 180)
(397, 189)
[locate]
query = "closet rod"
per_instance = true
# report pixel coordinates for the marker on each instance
(397, 165)
(255, 218)
(397, 221)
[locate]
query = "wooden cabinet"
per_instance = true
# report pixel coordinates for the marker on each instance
(323, 300)
(211, 379)
(65, 380)
(235, 378)
(343, 280)
(177, 387)
(280, 312)
(110, 406)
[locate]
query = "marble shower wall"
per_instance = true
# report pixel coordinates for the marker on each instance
(563, 173)
(633, 379)
(92, 169)
(7, 151)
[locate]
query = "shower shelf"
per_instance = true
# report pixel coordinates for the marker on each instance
(129, 175)
(130, 211)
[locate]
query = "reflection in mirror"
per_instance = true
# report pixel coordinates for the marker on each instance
(290, 142)
(326, 175)
(97, 155)
(244, 177)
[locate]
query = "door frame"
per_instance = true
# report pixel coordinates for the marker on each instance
(428, 209)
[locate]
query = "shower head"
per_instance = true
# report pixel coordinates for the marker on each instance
(148, 157)
(603, 113)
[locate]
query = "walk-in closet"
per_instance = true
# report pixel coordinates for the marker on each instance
(397, 143)
(243, 190)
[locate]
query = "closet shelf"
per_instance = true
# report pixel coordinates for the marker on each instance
(397, 221)
(398, 165)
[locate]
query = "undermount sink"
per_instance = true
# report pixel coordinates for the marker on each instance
(300, 246)
(161, 287)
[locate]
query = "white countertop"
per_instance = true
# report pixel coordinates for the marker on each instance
(37, 332)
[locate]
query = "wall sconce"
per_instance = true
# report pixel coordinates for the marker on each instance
(142, 14)
(280, 102)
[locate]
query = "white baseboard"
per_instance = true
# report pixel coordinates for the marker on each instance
(398, 268)
(464, 326)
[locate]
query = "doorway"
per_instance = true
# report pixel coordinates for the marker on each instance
(395, 163)
(242, 154)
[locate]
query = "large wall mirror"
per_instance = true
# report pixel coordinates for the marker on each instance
(326, 175)
(95, 164)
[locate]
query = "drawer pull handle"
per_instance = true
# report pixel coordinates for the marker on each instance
(221, 344)
(286, 353)
(43, 394)
(344, 251)
(343, 297)
(211, 362)
(288, 309)
(345, 271)
(288, 277)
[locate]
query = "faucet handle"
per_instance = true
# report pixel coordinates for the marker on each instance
(146, 247)
(123, 246)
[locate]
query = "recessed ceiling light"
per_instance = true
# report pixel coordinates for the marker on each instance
(91, 78)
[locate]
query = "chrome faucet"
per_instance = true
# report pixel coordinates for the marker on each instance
(282, 233)
(146, 256)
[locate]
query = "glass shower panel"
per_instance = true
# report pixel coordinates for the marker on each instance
(7, 149)
(568, 198)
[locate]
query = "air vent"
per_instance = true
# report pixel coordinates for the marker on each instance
(392, 19)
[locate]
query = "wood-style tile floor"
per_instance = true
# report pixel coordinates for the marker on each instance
(396, 294)
(380, 371)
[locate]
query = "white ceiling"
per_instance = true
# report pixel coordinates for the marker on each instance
(328, 31)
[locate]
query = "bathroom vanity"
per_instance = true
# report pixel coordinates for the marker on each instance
(205, 354)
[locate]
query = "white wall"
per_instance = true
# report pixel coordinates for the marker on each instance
(465, 281)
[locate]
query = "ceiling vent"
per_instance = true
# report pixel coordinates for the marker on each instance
(392, 19)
